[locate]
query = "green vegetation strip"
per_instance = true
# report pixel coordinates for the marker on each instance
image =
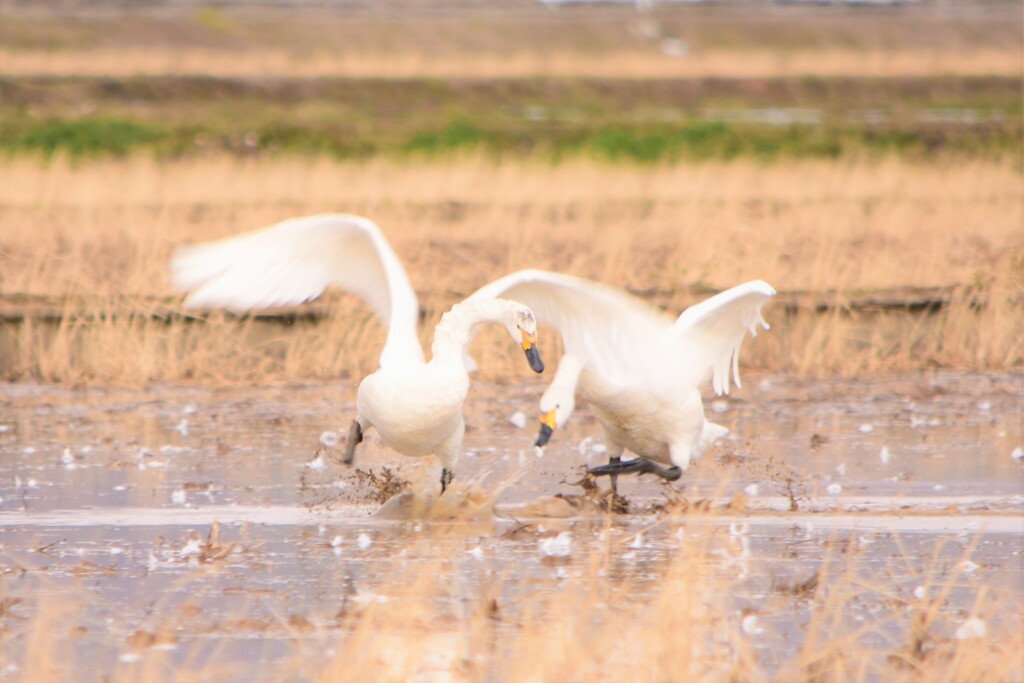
(642, 121)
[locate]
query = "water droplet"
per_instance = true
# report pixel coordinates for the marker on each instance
(972, 629)
(556, 546)
(750, 625)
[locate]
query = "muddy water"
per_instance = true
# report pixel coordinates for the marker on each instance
(211, 526)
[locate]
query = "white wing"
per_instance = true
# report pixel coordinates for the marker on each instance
(712, 331)
(605, 326)
(295, 261)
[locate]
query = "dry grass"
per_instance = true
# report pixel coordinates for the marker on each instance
(596, 615)
(106, 229)
(641, 62)
(610, 621)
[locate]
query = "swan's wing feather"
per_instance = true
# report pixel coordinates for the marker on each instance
(295, 261)
(712, 332)
(605, 326)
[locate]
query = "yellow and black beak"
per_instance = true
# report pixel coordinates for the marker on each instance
(547, 428)
(532, 352)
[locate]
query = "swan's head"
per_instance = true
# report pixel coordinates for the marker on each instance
(522, 326)
(556, 407)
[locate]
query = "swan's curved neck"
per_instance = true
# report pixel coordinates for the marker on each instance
(568, 374)
(402, 345)
(455, 330)
(561, 393)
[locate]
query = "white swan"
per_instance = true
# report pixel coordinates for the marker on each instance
(639, 370)
(415, 405)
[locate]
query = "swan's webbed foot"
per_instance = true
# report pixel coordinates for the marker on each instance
(638, 466)
(446, 478)
(355, 437)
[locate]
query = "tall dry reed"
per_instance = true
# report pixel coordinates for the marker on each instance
(103, 233)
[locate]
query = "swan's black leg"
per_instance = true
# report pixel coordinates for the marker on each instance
(355, 437)
(638, 466)
(614, 478)
(446, 478)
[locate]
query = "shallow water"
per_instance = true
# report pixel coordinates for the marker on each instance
(108, 499)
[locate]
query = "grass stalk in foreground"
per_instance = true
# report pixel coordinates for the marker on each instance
(713, 609)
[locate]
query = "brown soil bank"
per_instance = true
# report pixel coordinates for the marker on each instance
(492, 39)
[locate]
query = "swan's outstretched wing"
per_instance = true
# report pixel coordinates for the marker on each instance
(605, 326)
(295, 261)
(712, 331)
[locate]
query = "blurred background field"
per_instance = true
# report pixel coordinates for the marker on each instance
(484, 38)
(866, 160)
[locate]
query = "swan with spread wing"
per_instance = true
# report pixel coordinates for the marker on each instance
(639, 370)
(414, 404)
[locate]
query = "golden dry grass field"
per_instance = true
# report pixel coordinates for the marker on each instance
(104, 231)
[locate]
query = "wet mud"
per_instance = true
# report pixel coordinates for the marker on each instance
(214, 525)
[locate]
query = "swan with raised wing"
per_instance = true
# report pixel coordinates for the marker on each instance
(639, 370)
(414, 404)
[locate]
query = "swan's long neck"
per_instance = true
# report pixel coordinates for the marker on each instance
(569, 369)
(402, 345)
(562, 390)
(454, 332)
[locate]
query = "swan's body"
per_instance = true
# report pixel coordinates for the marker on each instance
(639, 370)
(416, 407)
(414, 404)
